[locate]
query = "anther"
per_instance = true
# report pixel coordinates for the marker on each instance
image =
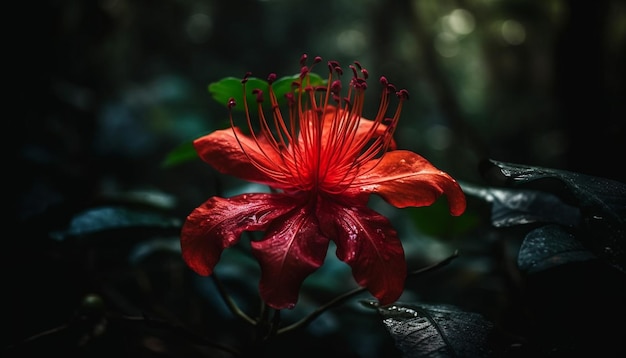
(365, 73)
(245, 77)
(231, 103)
(290, 99)
(359, 83)
(304, 71)
(303, 59)
(271, 78)
(403, 94)
(259, 95)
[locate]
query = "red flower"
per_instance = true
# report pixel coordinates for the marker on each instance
(323, 161)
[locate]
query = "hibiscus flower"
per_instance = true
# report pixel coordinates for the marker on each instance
(322, 160)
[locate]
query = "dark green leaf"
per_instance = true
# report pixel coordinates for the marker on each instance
(183, 153)
(231, 87)
(107, 219)
(510, 207)
(550, 246)
(435, 220)
(424, 330)
(602, 203)
(591, 194)
(147, 248)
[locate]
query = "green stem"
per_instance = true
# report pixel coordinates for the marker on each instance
(334, 302)
(268, 323)
(340, 299)
(232, 305)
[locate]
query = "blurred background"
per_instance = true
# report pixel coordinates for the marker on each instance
(110, 87)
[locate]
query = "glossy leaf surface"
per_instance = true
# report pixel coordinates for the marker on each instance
(425, 330)
(602, 204)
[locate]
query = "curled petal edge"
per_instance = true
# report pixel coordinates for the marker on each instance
(405, 179)
(218, 224)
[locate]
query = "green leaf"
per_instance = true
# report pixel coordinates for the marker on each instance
(181, 154)
(435, 220)
(231, 87)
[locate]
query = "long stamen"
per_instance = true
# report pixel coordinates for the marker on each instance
(280, 175)
(320, 146)
(255, 163)
(402, 95)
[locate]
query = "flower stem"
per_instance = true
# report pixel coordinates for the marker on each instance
(334, 302)
(436, 265)
(268, 323)
(340, 299)
(232, 305)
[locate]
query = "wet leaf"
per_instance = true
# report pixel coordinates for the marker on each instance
(602, 203)
(550, 246)
(107, 219)
(425, 330)
(593, 195)
(511, 207)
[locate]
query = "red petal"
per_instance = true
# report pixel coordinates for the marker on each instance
(404, 179)
(292, 249)
(222, 151)
(368, 243)
(218, 223)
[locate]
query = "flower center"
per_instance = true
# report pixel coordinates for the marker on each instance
(321, 142)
